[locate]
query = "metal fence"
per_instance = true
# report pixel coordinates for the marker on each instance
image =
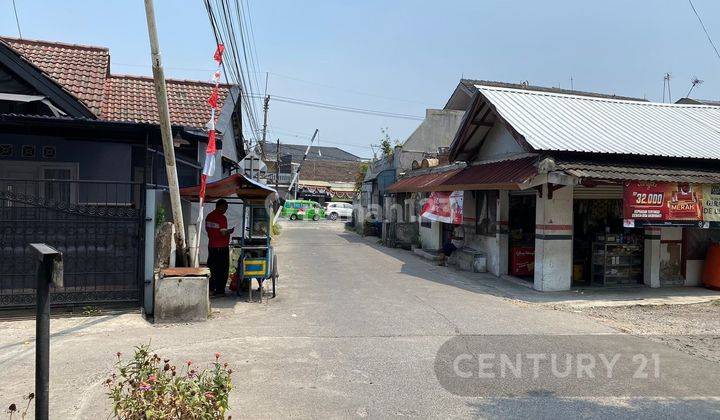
(97, 225)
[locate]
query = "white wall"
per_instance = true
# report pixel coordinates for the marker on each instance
(437, 130)
(234, 218)
(490, 245)
(430, 237)
(553, 240)
(499, 143)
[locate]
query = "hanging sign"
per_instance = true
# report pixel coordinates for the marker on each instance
(662, 201)
(711, 202)
(445, 207)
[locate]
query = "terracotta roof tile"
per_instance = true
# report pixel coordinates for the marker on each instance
(80, 69)
(84, 71)
(132, 98)
(329, 170)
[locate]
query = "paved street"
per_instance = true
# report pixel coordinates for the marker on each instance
(354, 332)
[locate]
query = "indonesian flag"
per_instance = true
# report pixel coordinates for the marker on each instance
(211, 150)
(218, 53)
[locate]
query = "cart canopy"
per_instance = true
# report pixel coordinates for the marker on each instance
(236, 185)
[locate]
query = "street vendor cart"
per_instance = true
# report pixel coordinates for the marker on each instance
(256, 258)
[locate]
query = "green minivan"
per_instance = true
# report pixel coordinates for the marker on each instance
(302, 209)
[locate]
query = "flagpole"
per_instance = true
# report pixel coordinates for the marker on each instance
(166, 132)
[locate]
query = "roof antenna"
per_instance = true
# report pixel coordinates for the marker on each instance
(572, 84)
(695, 82)
(666, 82)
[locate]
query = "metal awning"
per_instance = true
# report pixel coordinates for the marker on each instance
(236, 185)
(620, 172)
(499, 175)
(502, 175)
(426, 182)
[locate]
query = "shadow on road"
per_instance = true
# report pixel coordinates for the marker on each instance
(545, 405)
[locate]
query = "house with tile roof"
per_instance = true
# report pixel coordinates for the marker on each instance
(80, 148)
(326, 174)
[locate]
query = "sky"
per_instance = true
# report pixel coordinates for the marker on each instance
(402, 56)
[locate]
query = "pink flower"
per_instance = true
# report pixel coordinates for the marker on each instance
(189, 362)
(118, 354)
(152, 378)
(144, 386)
(209, 395)
(217, 355)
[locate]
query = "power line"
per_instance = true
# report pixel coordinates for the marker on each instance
(346, 90)
(227, 24)
(704, 28)
(304, 135)
(344, 108)
(17, 21)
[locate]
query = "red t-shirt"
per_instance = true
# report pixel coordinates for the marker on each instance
(213, 223)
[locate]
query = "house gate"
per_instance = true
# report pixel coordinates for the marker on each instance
(98, 227)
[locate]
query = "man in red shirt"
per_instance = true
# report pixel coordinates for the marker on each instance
(218, 247)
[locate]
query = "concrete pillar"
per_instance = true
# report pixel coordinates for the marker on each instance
(553, 239)
(503, 216)
(651, 260)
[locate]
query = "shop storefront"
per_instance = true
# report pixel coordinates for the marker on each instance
(605, 252)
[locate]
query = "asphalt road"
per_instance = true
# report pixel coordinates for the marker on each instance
(358, 330)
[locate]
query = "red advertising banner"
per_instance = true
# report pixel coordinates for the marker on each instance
(446, 207)
(662, 201)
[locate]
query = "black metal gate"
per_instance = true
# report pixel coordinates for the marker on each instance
(97, 225)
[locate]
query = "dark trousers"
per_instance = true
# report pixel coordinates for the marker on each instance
(219, 264)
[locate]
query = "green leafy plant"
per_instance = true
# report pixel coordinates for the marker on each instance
(275, 230)
(386, 145)
(159, 216)
(148, 387)
(360, 176)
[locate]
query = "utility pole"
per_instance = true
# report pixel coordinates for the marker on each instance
(277, 164)
(166, 132)
(266, 105)
(297, 171)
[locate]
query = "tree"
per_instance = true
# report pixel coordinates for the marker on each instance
(387, 146)
(360, 176)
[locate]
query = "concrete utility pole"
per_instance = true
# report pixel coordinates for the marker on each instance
(266, 105)
(166, 132)
(277, 164)
(297, 172)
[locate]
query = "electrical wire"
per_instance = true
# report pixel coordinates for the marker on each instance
(230, 72)
(296, 134)
(17, 20)
(707, 34)
(356, 92)
(227, 21)
(344, 108)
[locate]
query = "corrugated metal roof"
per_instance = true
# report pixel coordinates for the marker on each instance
(505, 174)
(561, 122)
(640, 173)
(425, 182)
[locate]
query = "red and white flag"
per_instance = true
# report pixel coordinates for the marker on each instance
(211, 151)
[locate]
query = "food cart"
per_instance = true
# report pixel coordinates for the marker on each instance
(256, 257)
(257, 260)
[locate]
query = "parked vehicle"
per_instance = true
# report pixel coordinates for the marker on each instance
(302, 209)
(338, 210)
